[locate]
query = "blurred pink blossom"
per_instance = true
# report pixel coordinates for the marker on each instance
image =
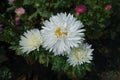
(17, 21)
(80, 9)
(11, 1)
(108, 7)
(20, 11)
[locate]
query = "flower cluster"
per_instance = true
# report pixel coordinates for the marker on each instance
(19, 12)
(63, 35)
(59, 41)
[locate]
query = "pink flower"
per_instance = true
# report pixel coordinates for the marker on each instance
(80, 9)
(108, 7)
(17, 21)
(11, 1)
(20, 11)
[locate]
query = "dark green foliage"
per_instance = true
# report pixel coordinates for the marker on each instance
(5, 74)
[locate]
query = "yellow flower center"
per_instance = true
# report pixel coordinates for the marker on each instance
(60, 32)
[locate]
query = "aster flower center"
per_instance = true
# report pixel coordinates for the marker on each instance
(35, 42)
(61, 32)
(79, 54)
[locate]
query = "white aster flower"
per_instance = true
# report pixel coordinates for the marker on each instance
(61, 33)
(30, 40)
(80, 55)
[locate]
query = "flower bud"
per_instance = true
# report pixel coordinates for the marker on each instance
(80, 9)
(17, 21)
(108, 7)
(20, 11)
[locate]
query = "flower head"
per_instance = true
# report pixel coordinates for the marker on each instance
(20, 11)
(108, 7)
(80, 9)
(30, 40)
(80, 55)
(61, 33)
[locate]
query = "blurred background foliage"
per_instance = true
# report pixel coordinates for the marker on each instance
(102, 31)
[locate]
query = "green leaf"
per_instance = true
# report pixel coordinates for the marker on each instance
(34, 15)
(27, 2)
(10, 8)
